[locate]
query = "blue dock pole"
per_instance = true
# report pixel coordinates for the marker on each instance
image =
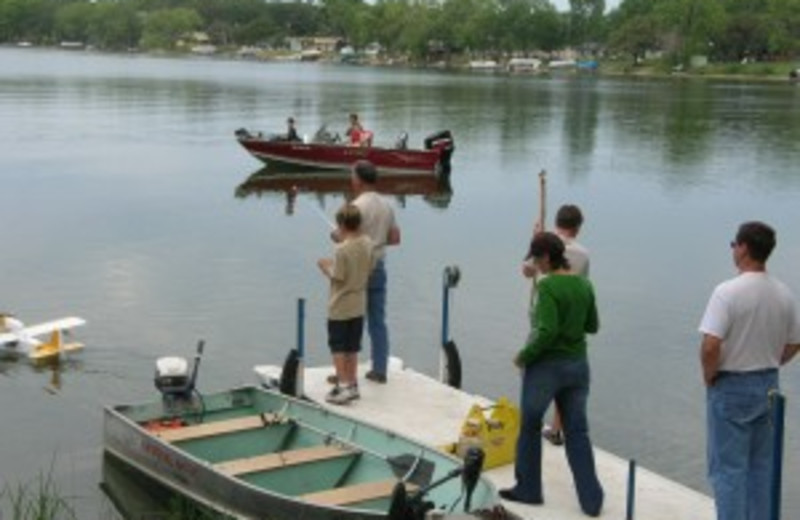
(301, 318)
(631, 489)
(778, 411)
(449, 359)
(301, 345)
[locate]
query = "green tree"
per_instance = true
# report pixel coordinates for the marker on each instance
(635, 36)
(164, 27)
(586, 21)
(73, 20)
(784, 23)
(692, 26)
(114, 25)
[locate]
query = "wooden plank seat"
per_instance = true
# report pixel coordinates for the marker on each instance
(356, 493)
(198, 431)
(281, 459)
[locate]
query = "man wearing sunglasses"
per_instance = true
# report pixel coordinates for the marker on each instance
(750, 328)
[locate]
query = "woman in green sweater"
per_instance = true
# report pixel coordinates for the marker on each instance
(555, 366)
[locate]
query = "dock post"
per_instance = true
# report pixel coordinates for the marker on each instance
(778, 402)
(301, 344)
(449, 359)
(631, 489)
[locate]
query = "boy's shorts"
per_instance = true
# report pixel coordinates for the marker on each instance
(344, 336)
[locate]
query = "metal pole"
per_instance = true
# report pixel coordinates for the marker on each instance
(778, 410)
(445, 306)
(631, 489)
(301, 346)
(445, 320)
(301, 317)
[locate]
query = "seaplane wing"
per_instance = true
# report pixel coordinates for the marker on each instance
(51, 326)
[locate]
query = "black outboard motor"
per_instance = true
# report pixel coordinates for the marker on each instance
(444, 142)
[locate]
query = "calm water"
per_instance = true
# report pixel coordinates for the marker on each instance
(118, 202)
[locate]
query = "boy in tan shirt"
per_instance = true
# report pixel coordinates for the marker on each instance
(348, 272)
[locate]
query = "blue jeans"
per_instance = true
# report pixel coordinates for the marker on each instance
(740, 443)
(376, 318)
(566, 381)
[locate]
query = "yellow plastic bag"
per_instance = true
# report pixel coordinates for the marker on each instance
(496, 434)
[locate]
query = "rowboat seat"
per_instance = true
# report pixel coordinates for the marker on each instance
(356, 493)
(198, 431)
(281, 459)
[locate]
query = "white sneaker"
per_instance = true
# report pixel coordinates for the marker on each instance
(341, 395)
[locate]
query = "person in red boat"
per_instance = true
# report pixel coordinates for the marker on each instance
(357, 134)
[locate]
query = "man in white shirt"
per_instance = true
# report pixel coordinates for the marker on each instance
(377, 222)
(750, 328)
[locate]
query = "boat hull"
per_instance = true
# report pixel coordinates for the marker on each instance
(340, 157)
(192, 466)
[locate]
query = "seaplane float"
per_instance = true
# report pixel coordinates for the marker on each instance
(17, 337)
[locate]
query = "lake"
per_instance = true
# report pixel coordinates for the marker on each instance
(122, 202)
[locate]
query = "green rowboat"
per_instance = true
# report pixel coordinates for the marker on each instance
(254, 453)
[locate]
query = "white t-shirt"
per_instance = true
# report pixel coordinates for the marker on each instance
(377, 218)
(577, 255)
(755, 316)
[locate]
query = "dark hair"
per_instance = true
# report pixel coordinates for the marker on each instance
(759, 239)
(569, 216)
(349, 217)
(549, 244)
(365, 171)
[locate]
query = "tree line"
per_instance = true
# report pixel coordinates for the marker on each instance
(723, 30)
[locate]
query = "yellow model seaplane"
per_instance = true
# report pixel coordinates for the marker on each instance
(16, 336)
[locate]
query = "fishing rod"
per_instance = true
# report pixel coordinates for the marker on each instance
(317, 210)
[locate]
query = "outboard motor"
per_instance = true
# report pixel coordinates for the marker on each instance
(444, 142)
(177, 384)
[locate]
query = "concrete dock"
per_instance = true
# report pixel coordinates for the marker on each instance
(418, 406)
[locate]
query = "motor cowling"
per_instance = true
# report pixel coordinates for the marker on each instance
(172, 375)
(444, 142)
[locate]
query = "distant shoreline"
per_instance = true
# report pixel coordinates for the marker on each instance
(773, 72)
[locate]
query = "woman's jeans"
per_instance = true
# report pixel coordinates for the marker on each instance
(740, 443)
(566, 381)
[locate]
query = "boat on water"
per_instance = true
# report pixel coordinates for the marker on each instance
(250, 452)
(326, 151)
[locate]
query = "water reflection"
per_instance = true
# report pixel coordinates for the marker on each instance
(137, 496)
(435, 190)
(53, 368)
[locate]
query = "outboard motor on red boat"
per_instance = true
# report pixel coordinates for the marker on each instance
(442, 140)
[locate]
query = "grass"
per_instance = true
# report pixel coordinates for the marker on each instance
(39, 499)
(762, 71)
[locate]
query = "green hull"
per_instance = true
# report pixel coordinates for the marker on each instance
(252, 453)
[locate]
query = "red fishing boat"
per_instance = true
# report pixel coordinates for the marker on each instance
(327, 152)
